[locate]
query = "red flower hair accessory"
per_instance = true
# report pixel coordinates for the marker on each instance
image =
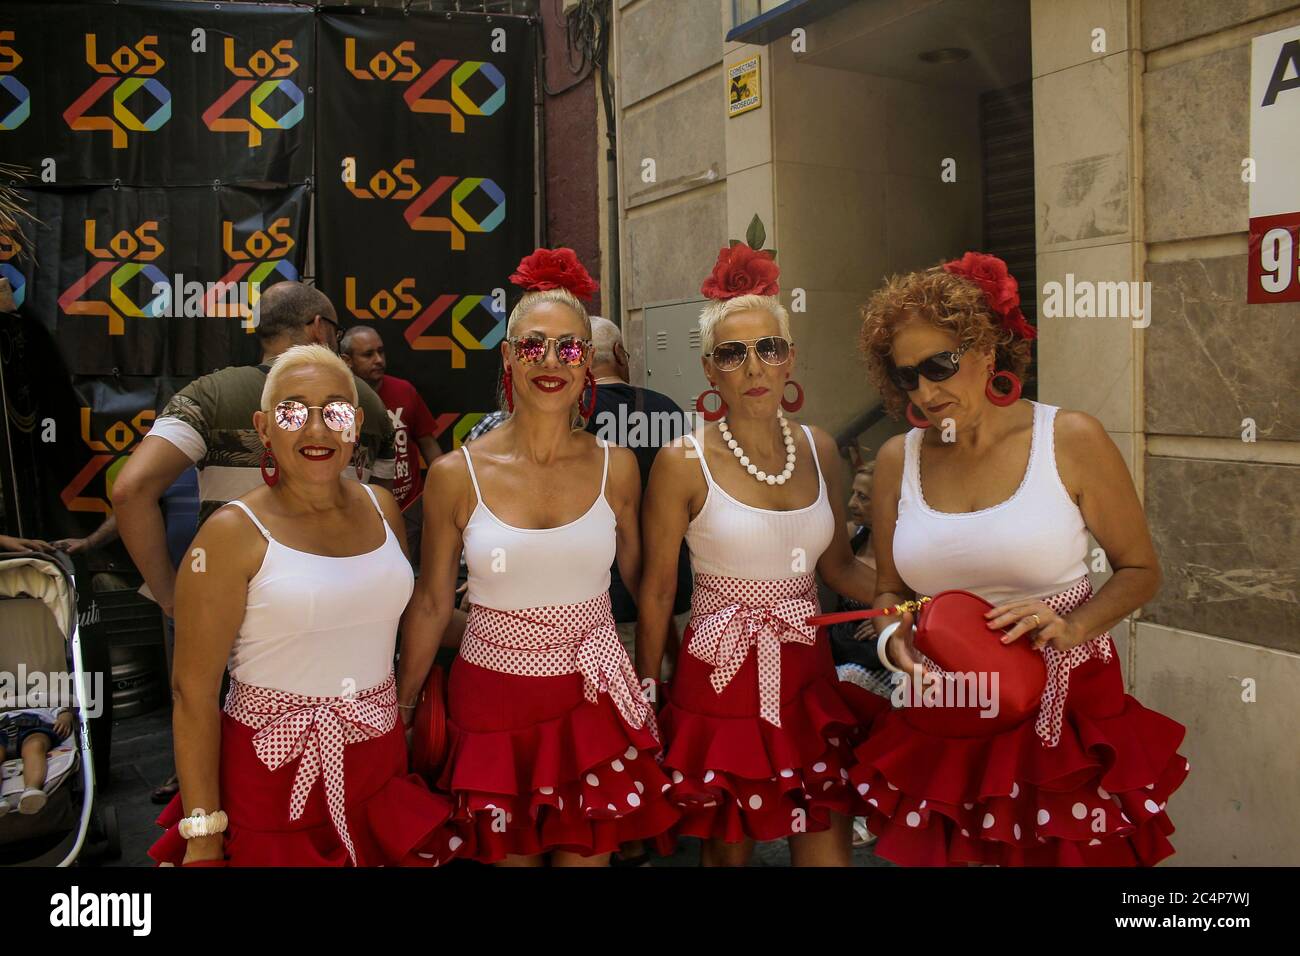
(1000, 289)
(554, 269)
(744, 268)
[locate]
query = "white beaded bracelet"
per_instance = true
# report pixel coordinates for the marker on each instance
(201, 823)
(882, 653)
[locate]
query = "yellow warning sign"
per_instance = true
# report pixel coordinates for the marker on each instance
(744, 92)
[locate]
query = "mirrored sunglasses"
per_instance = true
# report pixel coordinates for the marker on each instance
(338, 416)
(569, 349)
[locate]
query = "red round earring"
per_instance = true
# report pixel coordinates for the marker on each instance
(507, 385)
(586, 408)
(268, 464)
(916, 419)
(1013, 389)
(796, 403)
(710, 416)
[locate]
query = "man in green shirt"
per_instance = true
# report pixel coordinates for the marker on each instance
(209, 424)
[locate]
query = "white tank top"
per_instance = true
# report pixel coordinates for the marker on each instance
(736, 540)
(319, 625)
(1029, 546)
(513, 568)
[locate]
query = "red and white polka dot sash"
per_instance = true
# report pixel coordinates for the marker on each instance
(731, 615)
(1051, 706)
(560, 639)
(313, 731)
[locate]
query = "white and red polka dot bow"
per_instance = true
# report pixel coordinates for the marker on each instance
(313, 731)
(729, 616)
(560, 639)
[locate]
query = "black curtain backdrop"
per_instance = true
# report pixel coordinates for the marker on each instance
(425, 197)
(169, 144)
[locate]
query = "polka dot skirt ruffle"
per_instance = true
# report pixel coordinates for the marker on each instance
(804, 738)
(1074, 789)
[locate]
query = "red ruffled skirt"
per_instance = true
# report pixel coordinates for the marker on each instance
(535, 766)
(1095, 799)
(393, 818)
(735, 774)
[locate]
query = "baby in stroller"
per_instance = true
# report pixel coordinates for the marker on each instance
(31, 734)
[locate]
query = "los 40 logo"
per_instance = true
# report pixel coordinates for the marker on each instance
(400, 66)
(403, 305)
(110, 453)
(400, 184)
(12, 117)
(129, 69)
(129, 253)
(266, 73)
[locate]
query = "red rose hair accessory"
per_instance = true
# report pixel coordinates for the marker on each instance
(554, 269)
(744, 268)
(1000, 289)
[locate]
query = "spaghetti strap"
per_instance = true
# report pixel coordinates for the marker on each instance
(699, 453)
(605, 473)
(252, 517)
(371, 492)
(821, 478)
(469, 463)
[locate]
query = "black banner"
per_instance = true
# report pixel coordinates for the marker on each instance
(156, 92)
(125, 280)
(425, 192)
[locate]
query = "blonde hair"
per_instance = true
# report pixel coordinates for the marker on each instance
(532, 300)
(719, 309)
(304, 356)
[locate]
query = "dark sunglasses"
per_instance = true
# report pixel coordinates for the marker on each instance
(569, 349)
(936, 368)
(772, 349)
(338, 416)
(338, 330)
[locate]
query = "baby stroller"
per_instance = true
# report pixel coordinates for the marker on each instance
(41, 660)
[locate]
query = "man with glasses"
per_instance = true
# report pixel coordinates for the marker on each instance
(209, 425)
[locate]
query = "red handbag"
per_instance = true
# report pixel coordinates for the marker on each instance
(429, 732)
(952, 631)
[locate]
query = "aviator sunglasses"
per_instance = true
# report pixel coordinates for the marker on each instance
(937, 368)
(569, 349)
(772, 349)
(338, 416)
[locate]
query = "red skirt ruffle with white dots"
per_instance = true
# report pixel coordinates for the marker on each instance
(737, 773)
(552, 745)
(1094, 798)
(391, 816)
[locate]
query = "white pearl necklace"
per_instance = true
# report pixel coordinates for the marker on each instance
(753, 469)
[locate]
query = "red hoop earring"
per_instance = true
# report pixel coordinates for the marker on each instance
(710, 416)
(273, 476)
(586, 408)
(1013, 390)
(917, 420)
(796, 403)
(508, 387)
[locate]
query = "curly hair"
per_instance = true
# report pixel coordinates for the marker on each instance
(944, 300)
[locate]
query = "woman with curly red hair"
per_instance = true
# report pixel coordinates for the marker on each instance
(552, 745)
(996, 496)
(758, 730)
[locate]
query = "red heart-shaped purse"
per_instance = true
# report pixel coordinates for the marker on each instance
(999, 685)
(429, 732)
